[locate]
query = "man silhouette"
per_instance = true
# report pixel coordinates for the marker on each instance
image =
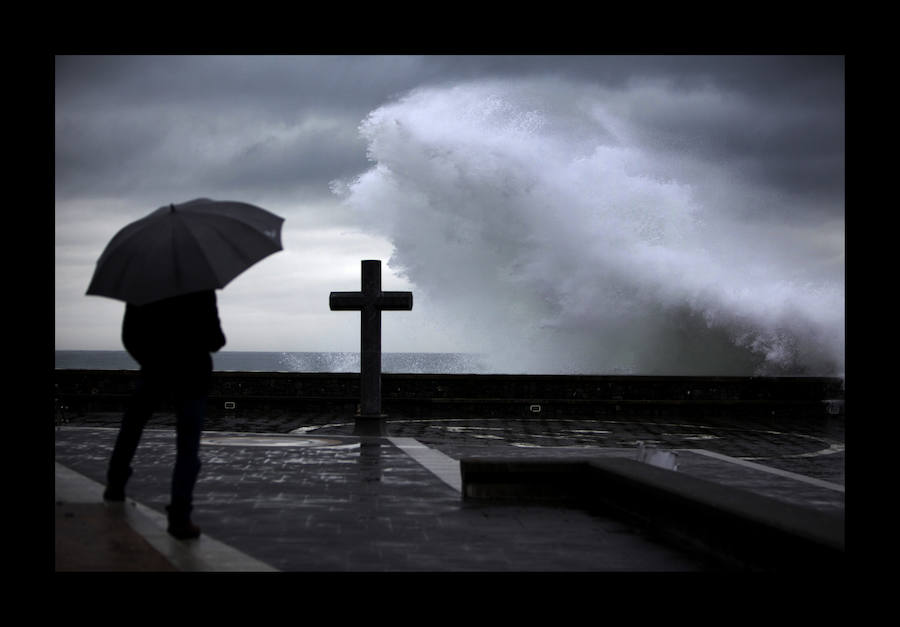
(172, 340)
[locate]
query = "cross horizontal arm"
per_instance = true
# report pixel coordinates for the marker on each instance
(346, 301)
(355, 301)
(395, 301)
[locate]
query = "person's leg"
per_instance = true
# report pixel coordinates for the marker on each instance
(191, 413)
(139, 410)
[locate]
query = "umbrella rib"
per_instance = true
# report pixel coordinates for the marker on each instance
(122, 274)
(240, 253)
(256, 225)
(254, 230)
(248, 260)
(200, 247)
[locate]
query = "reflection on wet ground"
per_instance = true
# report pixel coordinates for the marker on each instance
(813, 447)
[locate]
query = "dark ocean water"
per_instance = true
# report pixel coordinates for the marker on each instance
(249, 361)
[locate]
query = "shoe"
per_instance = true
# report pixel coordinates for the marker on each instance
(184, 530)
(115, 486)
(180, 525)
(114, 494)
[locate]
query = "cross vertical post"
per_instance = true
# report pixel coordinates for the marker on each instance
(370, 340)
(370, 301)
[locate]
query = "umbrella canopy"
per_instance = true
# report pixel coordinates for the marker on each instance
(197, 245)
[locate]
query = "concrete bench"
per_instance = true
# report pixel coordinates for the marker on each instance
(743, 529)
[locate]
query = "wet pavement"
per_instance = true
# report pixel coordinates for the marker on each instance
(315, 497)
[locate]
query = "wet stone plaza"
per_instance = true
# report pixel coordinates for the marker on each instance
(810, 447)
(312, 496)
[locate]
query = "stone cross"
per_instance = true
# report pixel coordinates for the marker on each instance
(370, 302)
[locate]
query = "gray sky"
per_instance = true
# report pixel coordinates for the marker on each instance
(489, 184)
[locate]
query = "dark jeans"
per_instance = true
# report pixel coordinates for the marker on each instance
(188, 390)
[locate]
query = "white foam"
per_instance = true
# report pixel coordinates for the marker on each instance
(548, 233)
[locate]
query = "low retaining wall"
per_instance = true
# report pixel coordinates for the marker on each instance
(742, 529)
(503, 396)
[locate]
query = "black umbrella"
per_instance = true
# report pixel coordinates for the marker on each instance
(193, 246)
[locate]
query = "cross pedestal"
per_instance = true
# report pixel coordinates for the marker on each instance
(370, 301)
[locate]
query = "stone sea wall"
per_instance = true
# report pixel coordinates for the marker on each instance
(503, 396)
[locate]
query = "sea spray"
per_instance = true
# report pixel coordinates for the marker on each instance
(542, 226)
(262, 361)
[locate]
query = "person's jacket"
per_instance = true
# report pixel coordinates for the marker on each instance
(184, 328)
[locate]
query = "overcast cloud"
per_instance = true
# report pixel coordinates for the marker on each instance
(751, 148)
